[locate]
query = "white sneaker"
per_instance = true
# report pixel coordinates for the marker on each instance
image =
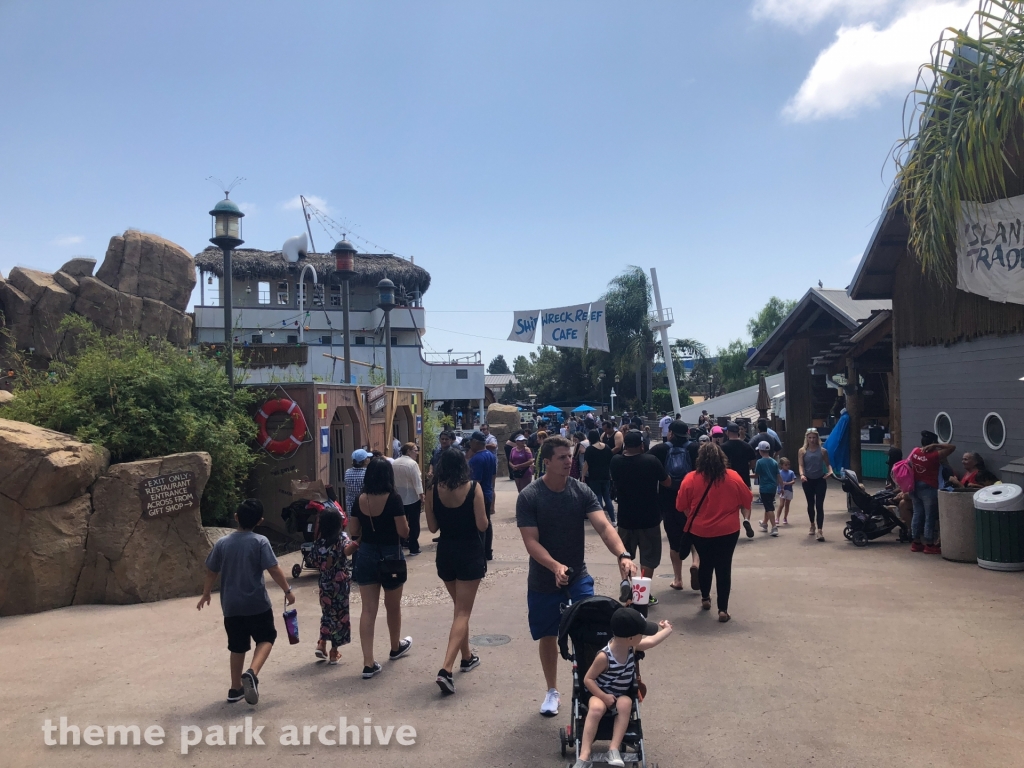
(614, 758)
(764, 526)
(775, 530)
(551, 701)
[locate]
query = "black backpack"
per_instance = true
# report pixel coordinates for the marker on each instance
(677, 463)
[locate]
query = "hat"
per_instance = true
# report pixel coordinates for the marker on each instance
(732, 426)
(764, 446)
(359, 455)
(521, 437)
(704, 439)
(633, 439)
(717, 431)
(478, 437)
(678, 427)
(628, 622)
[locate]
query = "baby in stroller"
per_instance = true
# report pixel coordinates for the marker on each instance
(611, 680)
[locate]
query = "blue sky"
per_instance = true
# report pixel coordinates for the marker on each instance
(524, 153)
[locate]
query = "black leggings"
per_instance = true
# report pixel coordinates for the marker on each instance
(815, 490)
(716, 556)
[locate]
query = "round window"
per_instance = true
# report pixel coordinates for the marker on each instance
(944, 427)
(994, 431)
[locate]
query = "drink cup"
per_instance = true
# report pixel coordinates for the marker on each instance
(291, 623)
(641, 590)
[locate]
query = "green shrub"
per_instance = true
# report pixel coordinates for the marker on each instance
(142, 399)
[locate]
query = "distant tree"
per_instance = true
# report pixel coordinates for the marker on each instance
(498, 365)
(628, 304)
(768, 319)
(731, 361)
(521, 367)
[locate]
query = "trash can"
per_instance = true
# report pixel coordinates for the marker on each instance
(956, 525)
(999, 527)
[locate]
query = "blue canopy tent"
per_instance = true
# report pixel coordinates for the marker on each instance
(583, 409)
(549, 409)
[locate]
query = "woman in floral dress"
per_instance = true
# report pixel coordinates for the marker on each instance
(331, 553)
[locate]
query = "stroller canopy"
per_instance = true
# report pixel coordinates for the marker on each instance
(594, 611)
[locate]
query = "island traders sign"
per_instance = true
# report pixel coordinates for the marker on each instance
(168, 494)
(990, 251)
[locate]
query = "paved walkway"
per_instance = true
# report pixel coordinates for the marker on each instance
(835, 656)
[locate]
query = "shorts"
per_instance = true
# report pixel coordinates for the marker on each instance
(768, 499)
(674, 522)
(545, 608)
(647, 540)
(786, 494)
(366, 569)
(260, 627)
(461, 560)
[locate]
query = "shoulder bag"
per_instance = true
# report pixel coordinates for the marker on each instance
(391, 569)
(686, 538)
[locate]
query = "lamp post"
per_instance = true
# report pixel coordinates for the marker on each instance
(600, 381)
(344, 265)
(227, 235)
(386, 301)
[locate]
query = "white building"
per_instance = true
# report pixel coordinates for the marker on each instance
(282, 341)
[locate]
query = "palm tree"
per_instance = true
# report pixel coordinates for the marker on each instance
(628, 304)
(703, 370)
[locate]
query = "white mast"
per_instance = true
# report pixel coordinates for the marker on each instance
(660, 321)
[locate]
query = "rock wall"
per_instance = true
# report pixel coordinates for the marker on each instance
(72, 529)
(143, 285)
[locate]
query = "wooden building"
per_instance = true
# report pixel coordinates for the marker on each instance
(822, 318)
(338, 419)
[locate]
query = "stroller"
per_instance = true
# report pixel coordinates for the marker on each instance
(873, 516)
(308, 519)
(585, 628)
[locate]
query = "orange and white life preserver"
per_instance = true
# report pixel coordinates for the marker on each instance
(289, 408)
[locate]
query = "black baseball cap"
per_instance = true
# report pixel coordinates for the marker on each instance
(628, 622)
(633, 439)
(732, 426)
(478, 437)
(678, 427)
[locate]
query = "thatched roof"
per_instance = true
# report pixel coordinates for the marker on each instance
(371, 268)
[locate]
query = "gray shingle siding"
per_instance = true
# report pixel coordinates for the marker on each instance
(967, 380)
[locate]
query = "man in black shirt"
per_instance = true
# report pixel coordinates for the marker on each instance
(672, 519)
(764, 435)
(742, 459)
(637, 476)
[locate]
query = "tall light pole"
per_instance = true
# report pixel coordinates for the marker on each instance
(600, 381)
(344, 265)
(386, 301)
(227, 235)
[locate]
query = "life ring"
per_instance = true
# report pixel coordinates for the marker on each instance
(294, 440)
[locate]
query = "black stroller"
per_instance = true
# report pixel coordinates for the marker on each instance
(873, 515)
(308, 520)
(585, 628)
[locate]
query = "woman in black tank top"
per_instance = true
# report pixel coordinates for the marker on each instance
(455, 506)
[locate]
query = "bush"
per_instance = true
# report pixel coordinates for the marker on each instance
(143, 399)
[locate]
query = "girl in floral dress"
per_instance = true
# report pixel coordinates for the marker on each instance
(331, 553)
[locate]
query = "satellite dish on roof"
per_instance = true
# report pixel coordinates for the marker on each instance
(295, 248)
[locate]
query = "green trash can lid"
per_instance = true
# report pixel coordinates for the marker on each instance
(1004, 497)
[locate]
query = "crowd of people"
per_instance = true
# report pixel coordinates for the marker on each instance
(695, 484)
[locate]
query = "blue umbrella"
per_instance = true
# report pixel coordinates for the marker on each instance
(583, 409)
(550, 409)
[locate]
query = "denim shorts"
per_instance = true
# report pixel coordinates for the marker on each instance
(366, 570)
(545, 608)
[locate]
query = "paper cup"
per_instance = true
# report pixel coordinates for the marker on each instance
(641, 590)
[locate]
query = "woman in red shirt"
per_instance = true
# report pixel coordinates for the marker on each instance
(712, 497)
(925, 461)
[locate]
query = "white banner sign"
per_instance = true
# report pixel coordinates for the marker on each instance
(566, 326)
(989, 250)
(597, 332)
(524, 326)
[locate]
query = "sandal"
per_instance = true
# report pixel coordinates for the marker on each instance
(723, 617)
(673, 585)
(321, 652)
(705, 605)
(335, 657)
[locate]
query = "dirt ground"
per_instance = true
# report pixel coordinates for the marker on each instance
(835, 656)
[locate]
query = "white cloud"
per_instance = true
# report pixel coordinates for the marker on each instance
(248, 208)
(868, 61)
(68, 240)
(805, 13)
(296, 205)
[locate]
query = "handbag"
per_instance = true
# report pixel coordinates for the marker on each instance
(903, 475)
(392, 572)
(686, 538)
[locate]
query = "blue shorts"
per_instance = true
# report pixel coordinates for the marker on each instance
(545, 608)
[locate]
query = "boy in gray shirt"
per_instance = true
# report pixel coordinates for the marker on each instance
(240, 558)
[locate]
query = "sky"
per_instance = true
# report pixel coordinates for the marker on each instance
(523, 153)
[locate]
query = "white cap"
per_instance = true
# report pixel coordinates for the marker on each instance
(764, 446)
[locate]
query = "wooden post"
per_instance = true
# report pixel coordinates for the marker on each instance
(854, 398)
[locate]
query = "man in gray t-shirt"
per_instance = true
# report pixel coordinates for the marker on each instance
(550, 514)
(240, 558)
